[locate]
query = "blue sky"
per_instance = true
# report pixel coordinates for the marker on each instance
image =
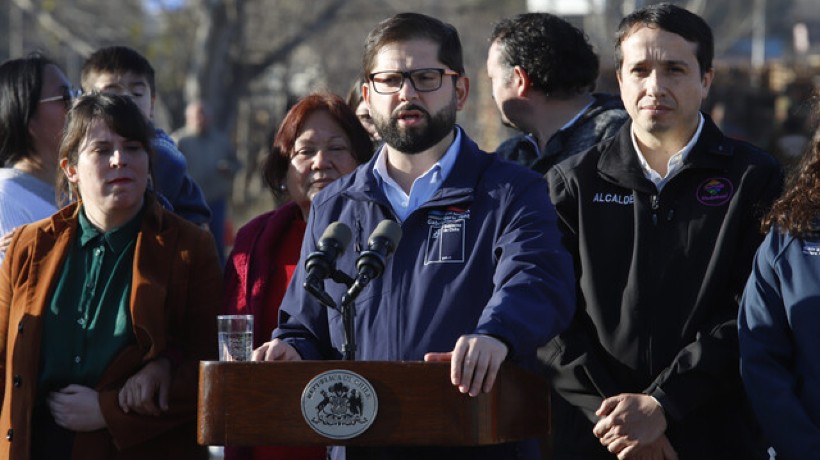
(154, 6)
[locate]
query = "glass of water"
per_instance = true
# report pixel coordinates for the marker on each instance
(235, 337)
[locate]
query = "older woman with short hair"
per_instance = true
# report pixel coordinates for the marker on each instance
(319, 141)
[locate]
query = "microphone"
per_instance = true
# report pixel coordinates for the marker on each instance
(382, 243)
(370, 265)
(332, 244)
(320, 264)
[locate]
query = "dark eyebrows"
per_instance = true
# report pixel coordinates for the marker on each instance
(665, 63)
(675, 62)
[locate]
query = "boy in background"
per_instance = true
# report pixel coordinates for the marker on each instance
(123, 71)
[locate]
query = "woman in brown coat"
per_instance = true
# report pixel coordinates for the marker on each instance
(100, 303)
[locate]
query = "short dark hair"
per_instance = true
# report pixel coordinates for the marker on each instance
(119, 113)
(21, 83)
(409, 26)
(555, 54)
(672, 19)
(354, 96)
(281, 146)
(117, 60)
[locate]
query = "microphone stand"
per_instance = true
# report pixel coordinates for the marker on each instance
(347, 308)
(370, 265)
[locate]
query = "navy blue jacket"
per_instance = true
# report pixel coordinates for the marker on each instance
(779, 341)
(482, 256)
(175, 189)
(600, 121)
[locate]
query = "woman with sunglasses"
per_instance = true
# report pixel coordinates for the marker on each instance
(34, 97)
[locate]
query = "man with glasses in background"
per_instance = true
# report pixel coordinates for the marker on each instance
(479, 276)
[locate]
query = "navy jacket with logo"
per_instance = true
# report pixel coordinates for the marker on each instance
(482, 256)
(660, 276)
(779, 340)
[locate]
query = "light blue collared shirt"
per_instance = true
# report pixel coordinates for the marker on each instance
(423, 187)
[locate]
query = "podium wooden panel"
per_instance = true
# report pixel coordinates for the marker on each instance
(246, 404)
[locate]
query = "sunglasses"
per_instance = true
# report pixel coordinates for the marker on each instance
(68, 95)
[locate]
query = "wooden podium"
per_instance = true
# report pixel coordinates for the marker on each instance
(253, 403)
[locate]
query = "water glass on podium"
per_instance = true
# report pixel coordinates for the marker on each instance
(235, 337)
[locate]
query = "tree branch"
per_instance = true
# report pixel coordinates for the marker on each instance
(251, 71)
(47, 22)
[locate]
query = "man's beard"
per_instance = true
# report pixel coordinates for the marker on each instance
(413, 140)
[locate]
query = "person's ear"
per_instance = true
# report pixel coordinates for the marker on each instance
(462, 91)
(706, 82)
(69, 171)
(521, 81)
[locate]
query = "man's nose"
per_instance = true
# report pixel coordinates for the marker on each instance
(654, 83)
(408, 91)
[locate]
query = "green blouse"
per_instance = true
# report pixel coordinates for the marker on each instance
(88, 321)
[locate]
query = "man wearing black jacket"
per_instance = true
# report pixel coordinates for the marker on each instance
(663, 223)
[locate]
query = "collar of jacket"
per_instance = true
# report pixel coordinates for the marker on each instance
(459, 187)
(66, 218)
(553, 150)
(151, 267)
(619, 162)
(602, 103)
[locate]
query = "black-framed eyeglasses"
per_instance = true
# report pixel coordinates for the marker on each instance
(423, 80)
(67, 95)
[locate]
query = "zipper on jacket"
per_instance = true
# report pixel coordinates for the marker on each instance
(655, 203)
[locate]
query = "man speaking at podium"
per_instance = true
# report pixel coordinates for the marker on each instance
(479, 275)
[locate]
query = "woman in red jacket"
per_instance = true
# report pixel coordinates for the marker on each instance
(319, 141)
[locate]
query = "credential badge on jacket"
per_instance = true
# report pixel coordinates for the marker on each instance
(446, 238)
(339, 404)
